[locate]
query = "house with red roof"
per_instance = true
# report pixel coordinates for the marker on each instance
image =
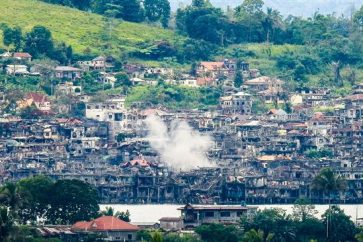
(22, 56)
(40, 100)
(112, 228)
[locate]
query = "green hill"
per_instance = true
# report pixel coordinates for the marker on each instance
(79, 29)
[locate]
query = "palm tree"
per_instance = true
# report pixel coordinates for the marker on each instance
(257, 236)
(11, 196)
(6, 223)
(328, 183)
(271, 21)
(108, 212)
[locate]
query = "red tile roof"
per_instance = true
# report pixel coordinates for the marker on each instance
(105, 223)
(355, 97)
(212, 66)
(82, 225)
(37, 97)
(21, 55)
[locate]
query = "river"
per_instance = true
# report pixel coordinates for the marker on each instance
(152, 213)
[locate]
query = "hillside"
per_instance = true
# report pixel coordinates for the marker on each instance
(80, 29)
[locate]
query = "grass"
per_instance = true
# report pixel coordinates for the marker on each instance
(81, 30)
(174, 97)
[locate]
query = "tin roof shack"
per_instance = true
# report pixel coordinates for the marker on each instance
(196, 215)
(111, 227)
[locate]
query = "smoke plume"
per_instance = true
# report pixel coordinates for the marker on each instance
(180, 147)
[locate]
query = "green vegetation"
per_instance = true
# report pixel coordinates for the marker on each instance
(58, 202)
(85, 32)
(318, 154)
(172, 96)
(271, 225)
(125, 216)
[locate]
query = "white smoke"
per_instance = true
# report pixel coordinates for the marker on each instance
(181, 147)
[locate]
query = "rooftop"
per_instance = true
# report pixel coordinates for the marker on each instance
(105, 223)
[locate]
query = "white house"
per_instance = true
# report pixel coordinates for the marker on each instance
(17, 70)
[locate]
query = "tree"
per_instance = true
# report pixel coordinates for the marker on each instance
(238, 79)
(13, 37)
(358, 18)
(195, 50)
(303, 210)
(38, 189)
(143, 235)
(125, 216)
(217, 233)
(359, 237)
(250, 14)
(6, 223)
(328, 183)
(204, 22)
(108, 212)
(257, 236)
(272, 221)
(72, 201)
(308, 227)
(157, 10)
(12, 196)
(80, 4)
(270, 22)
(156, 237)
(39, 42)
(176, 237)
(341, 228)
(131, 10)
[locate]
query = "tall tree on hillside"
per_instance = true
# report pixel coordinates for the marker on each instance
(81, 4)
(39, 42)
(271, 21)
(358, 18)
(157, 10)
(13, 36)
(131, 10)
(250, 14)
(201, 3)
